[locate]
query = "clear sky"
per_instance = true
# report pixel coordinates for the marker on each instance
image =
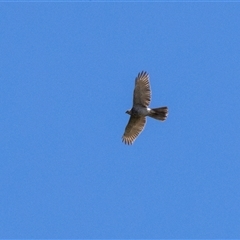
(67, 74)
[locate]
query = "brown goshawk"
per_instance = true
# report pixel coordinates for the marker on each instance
(140, 109)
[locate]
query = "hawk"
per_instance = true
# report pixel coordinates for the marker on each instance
(140, 109)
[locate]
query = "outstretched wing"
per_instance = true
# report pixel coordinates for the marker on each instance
(142, 91)
(133, 129)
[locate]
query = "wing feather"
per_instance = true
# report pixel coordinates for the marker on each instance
(133, 129)
(142, 91)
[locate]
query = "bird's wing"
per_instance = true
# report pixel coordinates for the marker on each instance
(133, 129)
(142, 91)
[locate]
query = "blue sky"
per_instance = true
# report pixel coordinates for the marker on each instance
(67, 74)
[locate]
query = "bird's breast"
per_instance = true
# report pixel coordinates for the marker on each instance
(140, 111)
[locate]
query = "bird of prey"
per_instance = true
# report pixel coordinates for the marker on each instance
(140, 109)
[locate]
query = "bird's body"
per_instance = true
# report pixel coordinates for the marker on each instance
(140, 109)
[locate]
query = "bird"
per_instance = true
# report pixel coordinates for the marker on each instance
(140, 109)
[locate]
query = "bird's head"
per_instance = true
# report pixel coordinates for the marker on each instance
(128, 112)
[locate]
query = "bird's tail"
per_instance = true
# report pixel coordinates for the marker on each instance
(159, 113)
